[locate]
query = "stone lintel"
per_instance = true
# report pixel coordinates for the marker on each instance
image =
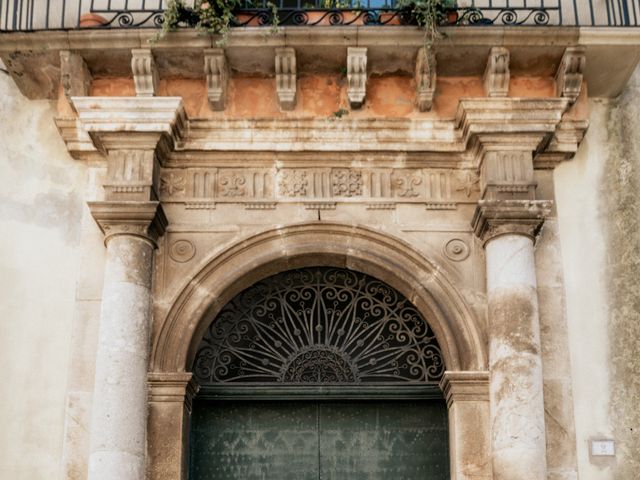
(465, 386)
(143, 123)
(174, 387)
(140, 219)
(509, 217)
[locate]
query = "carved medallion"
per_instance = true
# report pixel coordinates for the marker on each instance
(456, 250)
(182, 250)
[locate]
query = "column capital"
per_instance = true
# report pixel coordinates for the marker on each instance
(140, 219)
(509, 217)
(465, 386)
(175, 387)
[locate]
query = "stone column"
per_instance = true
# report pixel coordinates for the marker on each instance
(170, 399)
(467, 395)
(134, 135)
(119, 413)
(506, 220)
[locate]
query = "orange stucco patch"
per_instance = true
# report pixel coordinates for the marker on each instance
(321, 95)
(450, 90)
(192, 91)
(113, 87)
(531, 87)
(391, 96)
(252, 97)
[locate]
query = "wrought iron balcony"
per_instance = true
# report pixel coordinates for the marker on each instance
(32, 15)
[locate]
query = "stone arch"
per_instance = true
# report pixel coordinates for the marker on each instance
(377, 254)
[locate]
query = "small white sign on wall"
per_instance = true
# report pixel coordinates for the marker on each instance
(603, 448)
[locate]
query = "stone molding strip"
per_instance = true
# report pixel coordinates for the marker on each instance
(465, 386)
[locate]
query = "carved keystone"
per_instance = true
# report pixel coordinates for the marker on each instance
(569, 75)
(496, 75)
(74, 75)
(286, 77)
(356, 75)
(145, 75)
(217, 73)
(425, 78)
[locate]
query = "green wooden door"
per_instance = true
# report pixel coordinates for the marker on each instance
(319, 440)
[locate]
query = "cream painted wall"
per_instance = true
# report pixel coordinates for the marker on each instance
(40, 209)
(598, 200)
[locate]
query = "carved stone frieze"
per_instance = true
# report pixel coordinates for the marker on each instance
(406, 183)
(233, 184)
(356, 75)
(131, 175)
(496, 75)
(286, 77)
(172, 184)
(145, 74)
(294, 183)
(570, 73)
(507, 175)
(425, 76)
(216, 72)
(346, 183)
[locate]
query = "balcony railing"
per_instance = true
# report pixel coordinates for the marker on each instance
(33, 15)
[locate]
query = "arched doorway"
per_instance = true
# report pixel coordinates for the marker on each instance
(319, 373)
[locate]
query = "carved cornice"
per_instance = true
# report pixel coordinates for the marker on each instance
(178, 387)
(465, 386)
(132, 123)
(140, 219)
(493, 218)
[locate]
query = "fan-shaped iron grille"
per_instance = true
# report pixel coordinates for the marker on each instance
(318, 326)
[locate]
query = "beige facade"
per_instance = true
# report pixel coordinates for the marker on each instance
(190, 177)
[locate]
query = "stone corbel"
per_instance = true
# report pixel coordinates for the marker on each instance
(217, 74)
(496, 74)
(286, 77)
(570, 73)
(356, 75)
(425, 78)
(74, 75)
(145, 74)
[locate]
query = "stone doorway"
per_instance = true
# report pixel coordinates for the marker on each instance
(342, 372)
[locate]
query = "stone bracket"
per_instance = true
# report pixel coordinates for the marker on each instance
(145, 74)
(356, 75)
(514, 217)
(74, 75)
(425, 76)
(140, 219)
(570, 73)
(496, 74)
(286, 77)
(216, 71)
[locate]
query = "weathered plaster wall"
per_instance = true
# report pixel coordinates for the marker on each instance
(598, 199)
(40, 209)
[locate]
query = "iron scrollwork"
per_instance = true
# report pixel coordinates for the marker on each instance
(319, 326)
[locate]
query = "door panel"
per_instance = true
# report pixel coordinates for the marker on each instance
(254, 441)
(383, 440)
(328, 440)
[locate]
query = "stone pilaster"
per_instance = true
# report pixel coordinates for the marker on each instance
(133, 134)
(506, 220)
(170, 399)
(467, 395)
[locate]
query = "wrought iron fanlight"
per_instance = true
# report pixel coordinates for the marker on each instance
(319, 326)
